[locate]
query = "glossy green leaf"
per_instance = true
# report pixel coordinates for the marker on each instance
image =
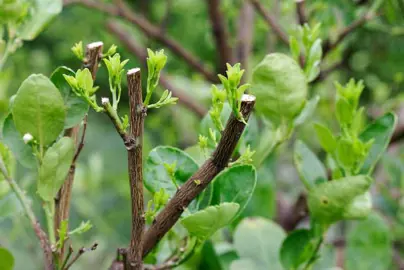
(54, 168)
(155, 174)
(41, 14)
(338, 199)
(297, 248)
(204, 223)
(13, 139)
(326, 138)
(76, 106)
(381, 131)
(258, 241)
(6, 259)
(310, 168)
(235, 184)
(281, 87)
(307, 111)
(369, 245)
(38, 109)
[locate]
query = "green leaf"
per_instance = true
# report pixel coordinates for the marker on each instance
(13, 139)
(54, 168)
(203, 224)
(155, 173)
(76, 106)
(344, 111)
(258, 242)
(335, 200)
(291, 256)
(281, 87)
(38, 109)
(381, 131)
(236, 184)
(8, 160)
(369, 245)
(41, 14)
(10, 205)
(307, 111)
(345, 154)
(310, 168)
(6, 259)
(294, 47)
(326, 138)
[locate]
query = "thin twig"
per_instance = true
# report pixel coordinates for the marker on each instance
(272, 22)
(220, 34)
(301, 12)
(69, 254)
(81, 252)
(140, 52)
(167, 218)
(81, 143)
(151, 30)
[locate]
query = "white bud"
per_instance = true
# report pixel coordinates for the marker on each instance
(27, 138)
(104, 100)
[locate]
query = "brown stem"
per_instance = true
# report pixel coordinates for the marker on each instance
(133, 46)
(45, 245)
(137, 115)
(245, 35)
(152, 31)
(78, 255)
(62, 201)
(270, 20)
(301, 12)
(220, 34)
(188, 191)
(290, 218)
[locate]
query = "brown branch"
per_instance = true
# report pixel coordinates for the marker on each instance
(149, 29)
(245, 35)
(62, 201)
(137, 115)
(188, 191)
(220, 34)
(140, 52)
(271, 21)
(301, 12)
(79, 253)
(291, 217)
(328, 45)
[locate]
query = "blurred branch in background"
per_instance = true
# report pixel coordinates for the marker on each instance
(301, 12)
(140, 52)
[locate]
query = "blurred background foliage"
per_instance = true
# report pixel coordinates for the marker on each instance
(373, 52)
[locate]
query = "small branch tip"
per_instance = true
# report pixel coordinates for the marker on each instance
(133, 71)
(104, 100)
(94, 45)
(248, 98)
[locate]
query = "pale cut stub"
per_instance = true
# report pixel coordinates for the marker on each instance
(95, 45)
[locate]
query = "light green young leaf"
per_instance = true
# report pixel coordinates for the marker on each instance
(294, 47)
(332, 201)
(82, 228)
(155, 173)
(291, 256)
(54, 168)
(281, 87)
(381, 131)
(6, 259)
(326, 138)
(310, 168)
(235, 184)
(76, 106)
(259, 240)
(307, 111)
(369, 245)
(39, 110)
(344, 112)
(204, 223)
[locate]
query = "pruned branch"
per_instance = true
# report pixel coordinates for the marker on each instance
(245, 33)
(301, 12)
(149, 29)
(272, 22)
(79, 254)
(140, 52)
(190, 190)
(220, 34)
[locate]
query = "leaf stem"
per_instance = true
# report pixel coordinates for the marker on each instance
(314, 256)
(49, 208)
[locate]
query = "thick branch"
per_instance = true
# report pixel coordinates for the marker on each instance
(245, 35)
(137, 114)
(167, 218)
(140, 52)
(270, 20)
(151, 31)
(220, 34)
(291, 217)
(301, 12)
(62, 202)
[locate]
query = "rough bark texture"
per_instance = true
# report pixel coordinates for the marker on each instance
(137, 114)
(187, 192)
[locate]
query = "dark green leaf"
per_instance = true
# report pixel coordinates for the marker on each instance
(310, 168)
(54, 168)
(381, 131)
(369, 245)
(6, 259)
(38, 109)
(75, 105)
